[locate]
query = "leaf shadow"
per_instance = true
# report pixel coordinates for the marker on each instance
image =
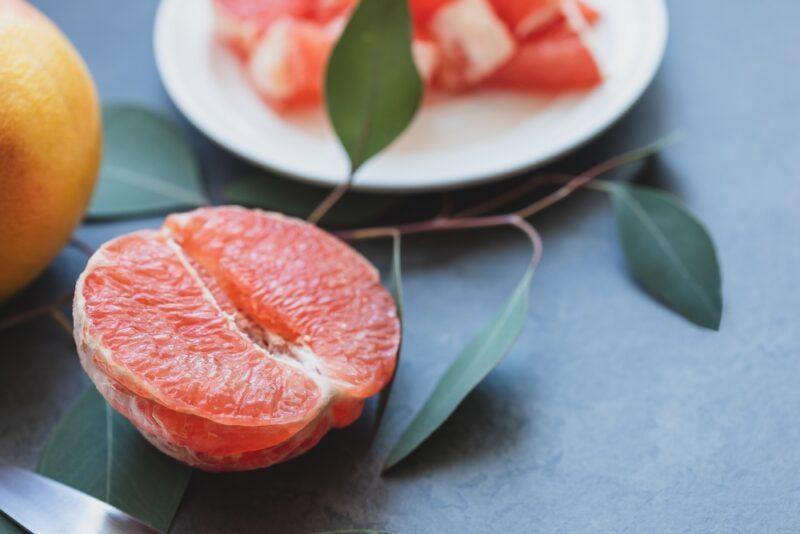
(485, 424)
(286, 497)
(39, 378)
(657, 173)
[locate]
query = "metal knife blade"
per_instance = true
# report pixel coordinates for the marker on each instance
(44, 506)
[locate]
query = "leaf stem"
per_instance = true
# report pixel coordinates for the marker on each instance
(62, 320)
(330, 200)
(440, 224)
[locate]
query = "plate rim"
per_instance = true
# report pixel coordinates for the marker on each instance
(465, 180)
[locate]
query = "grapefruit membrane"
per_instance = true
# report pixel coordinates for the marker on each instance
(233, 338)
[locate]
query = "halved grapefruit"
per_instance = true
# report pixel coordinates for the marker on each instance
(232, 338)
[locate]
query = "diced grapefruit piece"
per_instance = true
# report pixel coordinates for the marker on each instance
(234, 338)
(474, 42)
(239, 23)
(590, 14)
(426, 57)
(554, 60)
(423, 10)
(287, 66)
(327, 10)
(525, 17)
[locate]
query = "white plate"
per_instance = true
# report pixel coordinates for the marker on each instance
(454, 141)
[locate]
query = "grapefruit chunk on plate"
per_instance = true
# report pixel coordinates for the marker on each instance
(554, 60)
(239, 23)
(287, 65)
(234, 338)
(525, 17)
(473, 42)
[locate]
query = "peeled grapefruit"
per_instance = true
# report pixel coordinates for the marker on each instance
(50, 142)
(234, 338)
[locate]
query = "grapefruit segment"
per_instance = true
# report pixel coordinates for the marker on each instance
(239, 23)
(302, 285)
(554, 60)
(234, 338)
(473, 42)
(287, 65)
(525, 17)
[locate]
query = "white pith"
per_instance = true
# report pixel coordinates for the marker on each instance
(538, 20)
(235, 29)
(269, 63)
(471, 29)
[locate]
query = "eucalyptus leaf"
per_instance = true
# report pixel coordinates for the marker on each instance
(482, 354)
(395, 284)
(372, 88)
(669, 251)
(96, 450)
(148, 166)
(7, 526)
(296, 199)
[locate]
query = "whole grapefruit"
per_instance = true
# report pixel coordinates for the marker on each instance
(50, 142)
(234, 338)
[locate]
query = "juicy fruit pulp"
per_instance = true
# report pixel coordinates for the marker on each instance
(50, 142)
(532, 45)
(234, 338)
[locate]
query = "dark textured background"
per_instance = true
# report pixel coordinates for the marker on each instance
(611, 414)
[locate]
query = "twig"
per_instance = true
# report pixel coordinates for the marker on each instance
(447, 206)
(439, 224)
(34, 313)
(61, 319)
(585, 177)
(514, 193)
(329, 201)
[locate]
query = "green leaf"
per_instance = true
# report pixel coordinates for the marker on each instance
(476, 361)
(96, 450)
(297, 199)
(669, 251)
(372, 88)
(148, 167)
(395, 284)
(7, 526)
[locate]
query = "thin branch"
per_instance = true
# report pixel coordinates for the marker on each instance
(62, 319)
(585, 177)
(34, 313)
(514, 193)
